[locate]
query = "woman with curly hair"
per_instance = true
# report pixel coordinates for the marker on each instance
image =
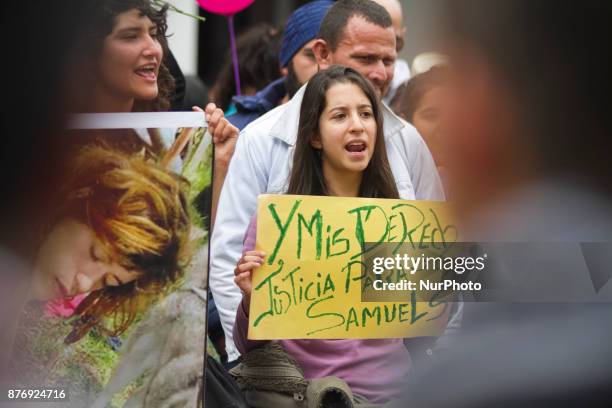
(119, 237)
(123, 57)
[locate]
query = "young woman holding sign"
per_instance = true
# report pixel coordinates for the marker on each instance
(339, 152)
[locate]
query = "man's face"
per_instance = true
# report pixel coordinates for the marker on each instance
(301, 68)
(367, 48)
(304, 63)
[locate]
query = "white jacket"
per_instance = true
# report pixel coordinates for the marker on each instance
(262, 163)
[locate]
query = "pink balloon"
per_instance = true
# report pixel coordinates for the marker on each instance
(224, 7)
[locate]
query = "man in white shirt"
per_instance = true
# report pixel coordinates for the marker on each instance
(354, 33)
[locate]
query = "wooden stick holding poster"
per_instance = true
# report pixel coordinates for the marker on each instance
(310, 285)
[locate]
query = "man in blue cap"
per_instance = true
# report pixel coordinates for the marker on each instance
(297, 61)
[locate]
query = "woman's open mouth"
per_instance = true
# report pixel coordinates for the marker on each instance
(356, 149)
(148, 72)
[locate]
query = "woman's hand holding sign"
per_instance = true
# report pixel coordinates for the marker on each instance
(224, 136)
(244, 279)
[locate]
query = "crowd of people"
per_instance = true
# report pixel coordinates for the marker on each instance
(511, 125)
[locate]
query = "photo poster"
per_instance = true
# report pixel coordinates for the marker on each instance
(158, 360)
(316, 273)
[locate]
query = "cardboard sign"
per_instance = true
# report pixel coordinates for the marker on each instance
(312, 280)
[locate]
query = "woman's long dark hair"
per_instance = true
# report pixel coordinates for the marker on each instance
(307, 173)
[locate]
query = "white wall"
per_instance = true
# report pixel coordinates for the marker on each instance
(183, 31)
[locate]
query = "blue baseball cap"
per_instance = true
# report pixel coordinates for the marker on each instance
(302, 26)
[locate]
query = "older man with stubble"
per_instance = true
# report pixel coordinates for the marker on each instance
(355, 33)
